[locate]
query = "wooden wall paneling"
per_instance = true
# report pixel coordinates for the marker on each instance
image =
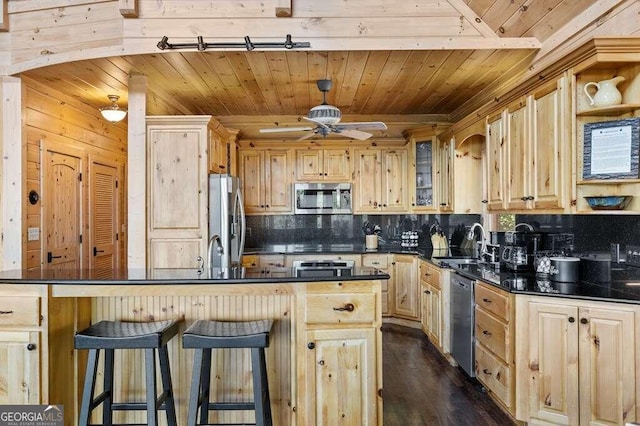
(375, 63)
(283, 8)
(279, 70)
(402, 88)
(299, 75)
(244, 91)
(424, 80)
(356, 62)
(234, 363)
(262, 74)
(388, 78)
(336, 68)
(128, 8)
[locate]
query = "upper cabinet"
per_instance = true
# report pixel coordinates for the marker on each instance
(423, 194)
(607, 166)
(528, 146)
(329, 165)
(267, 179)
(380, 180)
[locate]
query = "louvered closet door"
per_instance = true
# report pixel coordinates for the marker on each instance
(104, 227)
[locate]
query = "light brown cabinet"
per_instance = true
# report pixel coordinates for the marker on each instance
(384, 263)
(444, 176)
(19, 367)
(579, 361)
(406, 287)
(380, 183)
(431, 293)
(423, 192)
(266, 176)
(331, 165)
(177, 190)
(495, 335)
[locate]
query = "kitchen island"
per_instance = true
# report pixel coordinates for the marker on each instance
(324, 361)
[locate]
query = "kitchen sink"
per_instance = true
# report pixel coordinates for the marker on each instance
(454, 260)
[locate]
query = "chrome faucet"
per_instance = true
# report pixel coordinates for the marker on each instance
(220, 250)
(529, 227)
(483, 238)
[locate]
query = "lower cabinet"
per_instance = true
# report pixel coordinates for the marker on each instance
(384, 263)
(19, 367)
(405, 280)
(431, 295)
(495, 334)
(341, 355)
(579, 362)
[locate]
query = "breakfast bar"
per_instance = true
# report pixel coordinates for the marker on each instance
(325, 343)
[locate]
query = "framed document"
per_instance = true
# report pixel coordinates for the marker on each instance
(611, 149)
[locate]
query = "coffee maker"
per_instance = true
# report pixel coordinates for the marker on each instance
(520, 249)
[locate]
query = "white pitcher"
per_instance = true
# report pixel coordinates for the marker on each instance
(607, 93)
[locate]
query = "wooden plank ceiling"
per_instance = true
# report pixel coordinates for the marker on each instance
(249, 90)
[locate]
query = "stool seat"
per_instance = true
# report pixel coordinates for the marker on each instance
(203, 336)
(126, 335)
(227, 334)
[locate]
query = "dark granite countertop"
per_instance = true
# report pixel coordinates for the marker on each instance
(293, 249)
(179, 276)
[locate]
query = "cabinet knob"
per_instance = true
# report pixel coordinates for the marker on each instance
(31, 346)
(484, 201)
(584, 321)
(486, 371)
(524, 198)
(530, 197)
(311, 345)
(348, 307)
(572, 319)
(413, 204)
(267, 206)
(325, 174)
(486, 332)
(427, 292)
(485, 300)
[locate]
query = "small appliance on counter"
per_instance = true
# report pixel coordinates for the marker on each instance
(520, 249)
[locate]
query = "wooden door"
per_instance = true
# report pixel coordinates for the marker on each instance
(104, 218)
(395, 195)
(309, 165)
(19, 367)
(550, 135)
(553, 363)
(495, 163)
(407, 297)
(278, 181)
(517, 156)
(341, 369)
(61, 204)
(367, 190)
(607, 366)
(337, 165)
(252, 179)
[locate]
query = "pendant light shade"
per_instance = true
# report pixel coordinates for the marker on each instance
(113, 112)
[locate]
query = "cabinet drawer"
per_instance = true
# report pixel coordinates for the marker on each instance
(271, 260)
(493, 334)
(379, 261)
(430, 274)
(492, 301)
(19, 311)
(495, 375)
(340, 308)
(250, 260)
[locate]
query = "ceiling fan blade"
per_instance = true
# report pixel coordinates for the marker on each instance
(307, 136)
(365, 125)
(354, 134)
(316, 122)
(285, 129)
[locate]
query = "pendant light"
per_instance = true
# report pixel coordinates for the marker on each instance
(113, 112)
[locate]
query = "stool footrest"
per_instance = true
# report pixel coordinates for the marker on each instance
(100, 399)
(232, 406)
(132, 406)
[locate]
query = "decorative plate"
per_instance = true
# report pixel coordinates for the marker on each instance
(609, 202)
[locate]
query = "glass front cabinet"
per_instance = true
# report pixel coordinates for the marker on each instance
(423, 189)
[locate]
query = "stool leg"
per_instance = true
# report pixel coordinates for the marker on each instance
(152, 395)
(89, 384)
(194, 395)
(107, 413)
(205, 383)
(165, 373)
(260, 387)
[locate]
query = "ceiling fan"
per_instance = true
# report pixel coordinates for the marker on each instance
(327, 119)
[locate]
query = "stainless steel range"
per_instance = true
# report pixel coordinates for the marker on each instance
(323, 268)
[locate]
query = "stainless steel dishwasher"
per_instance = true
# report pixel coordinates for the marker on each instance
(462, 322)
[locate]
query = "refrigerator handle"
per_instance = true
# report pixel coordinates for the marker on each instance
(243, 223)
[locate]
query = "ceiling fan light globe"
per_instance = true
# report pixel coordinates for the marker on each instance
(325, 114)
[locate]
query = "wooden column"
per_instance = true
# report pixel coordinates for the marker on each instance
(136, 173)
(12, 166)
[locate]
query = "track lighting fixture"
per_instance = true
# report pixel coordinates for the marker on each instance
(201, 45)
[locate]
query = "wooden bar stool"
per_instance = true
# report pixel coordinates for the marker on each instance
(111, 335)
(207, 335)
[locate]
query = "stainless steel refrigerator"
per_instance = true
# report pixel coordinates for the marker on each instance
(227, 226)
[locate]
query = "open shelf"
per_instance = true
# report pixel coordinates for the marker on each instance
(610, 110)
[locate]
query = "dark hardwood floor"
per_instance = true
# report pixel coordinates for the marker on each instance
(421, 388)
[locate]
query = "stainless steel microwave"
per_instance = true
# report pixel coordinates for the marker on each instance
(322, 198)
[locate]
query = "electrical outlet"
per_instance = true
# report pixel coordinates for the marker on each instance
(33, 234)
(248, 232)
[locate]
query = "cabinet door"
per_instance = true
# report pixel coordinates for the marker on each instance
(607, 366)
(435, 322)
(394, 181)
(495, 163)
(407, 299)
(337, 165)
(19, 367)
(309, 165)
(425, 319)
(422, 197)
(445, 176)
(517, 152)
(252, 178)
(367, 183)
(550, 133)
(553, 363)
(278, 181)
(340, 369)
